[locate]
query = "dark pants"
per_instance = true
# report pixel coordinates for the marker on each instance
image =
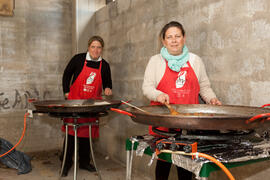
(83, 148)
(163, 170)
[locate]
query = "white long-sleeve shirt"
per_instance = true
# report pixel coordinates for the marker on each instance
(155, 70)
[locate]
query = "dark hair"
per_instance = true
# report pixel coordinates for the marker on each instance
(96, 38)
(171, 24)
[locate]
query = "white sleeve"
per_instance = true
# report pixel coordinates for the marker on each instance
(206, 91)
(154, 71)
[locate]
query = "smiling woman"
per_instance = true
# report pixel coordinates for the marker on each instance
(85, 77)
(6, 7)
(175, 76)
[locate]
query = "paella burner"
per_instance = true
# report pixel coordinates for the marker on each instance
(208, 135)
(76, 109)
(210, 128)
(77, 115)
(211, 142)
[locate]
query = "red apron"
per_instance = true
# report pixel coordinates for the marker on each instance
(182, 87)
(88, 85)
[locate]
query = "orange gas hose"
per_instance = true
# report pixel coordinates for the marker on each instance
(24, 127)
(223, 168)
(227, 172)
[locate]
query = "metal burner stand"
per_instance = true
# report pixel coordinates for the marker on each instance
(75, 126)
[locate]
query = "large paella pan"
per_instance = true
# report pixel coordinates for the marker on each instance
(75, 106)
(201, 116)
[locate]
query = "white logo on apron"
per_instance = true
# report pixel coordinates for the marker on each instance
(91, 78)
(180, 81)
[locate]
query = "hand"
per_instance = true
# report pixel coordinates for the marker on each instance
(108, 91)
(163, 98)
(215, 101)
(66, 95)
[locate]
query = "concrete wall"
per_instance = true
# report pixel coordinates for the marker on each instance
(35, 46)
(232, 37)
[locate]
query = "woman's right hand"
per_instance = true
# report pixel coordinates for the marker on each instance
(108, 92)
(163, 98)
(215, 101)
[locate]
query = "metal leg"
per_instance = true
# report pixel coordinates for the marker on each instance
(92, 152)
(65, 151)
(127, 164)
(130, 161)
(75, 152)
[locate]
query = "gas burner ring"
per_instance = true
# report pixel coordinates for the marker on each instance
(204, 135)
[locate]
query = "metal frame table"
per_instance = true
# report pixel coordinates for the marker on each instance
(204, 173)
(75, 126)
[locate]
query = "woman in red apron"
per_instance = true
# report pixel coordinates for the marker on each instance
(170, 78)
(90, 73)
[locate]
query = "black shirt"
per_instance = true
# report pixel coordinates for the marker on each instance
(75, 67)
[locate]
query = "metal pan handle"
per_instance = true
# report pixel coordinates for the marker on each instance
(124, 102)
(263, 117)
(56, 106)
(30, 100)
(265, 105)
(122, 112)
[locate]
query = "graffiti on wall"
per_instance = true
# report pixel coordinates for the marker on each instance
(20, 100)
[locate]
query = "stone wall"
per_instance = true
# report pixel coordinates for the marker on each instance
(35, 46)
(232, 37)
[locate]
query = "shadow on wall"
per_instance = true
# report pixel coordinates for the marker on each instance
(87, 32)
(108, 1)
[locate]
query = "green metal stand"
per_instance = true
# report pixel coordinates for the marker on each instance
(206, 169)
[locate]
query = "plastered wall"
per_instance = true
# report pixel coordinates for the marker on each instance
(35, 46)
(232, 37)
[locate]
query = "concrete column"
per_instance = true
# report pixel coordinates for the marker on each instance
(83, 11)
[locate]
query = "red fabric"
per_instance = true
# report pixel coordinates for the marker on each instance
(88, 85)
(186, 93)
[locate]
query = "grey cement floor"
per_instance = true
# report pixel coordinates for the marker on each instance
(46, 166)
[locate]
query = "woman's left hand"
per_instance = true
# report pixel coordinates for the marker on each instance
(108, 91)
(215, 101)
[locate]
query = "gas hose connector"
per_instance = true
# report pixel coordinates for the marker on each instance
(160, 146)
(187, 149)
(30, 112)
